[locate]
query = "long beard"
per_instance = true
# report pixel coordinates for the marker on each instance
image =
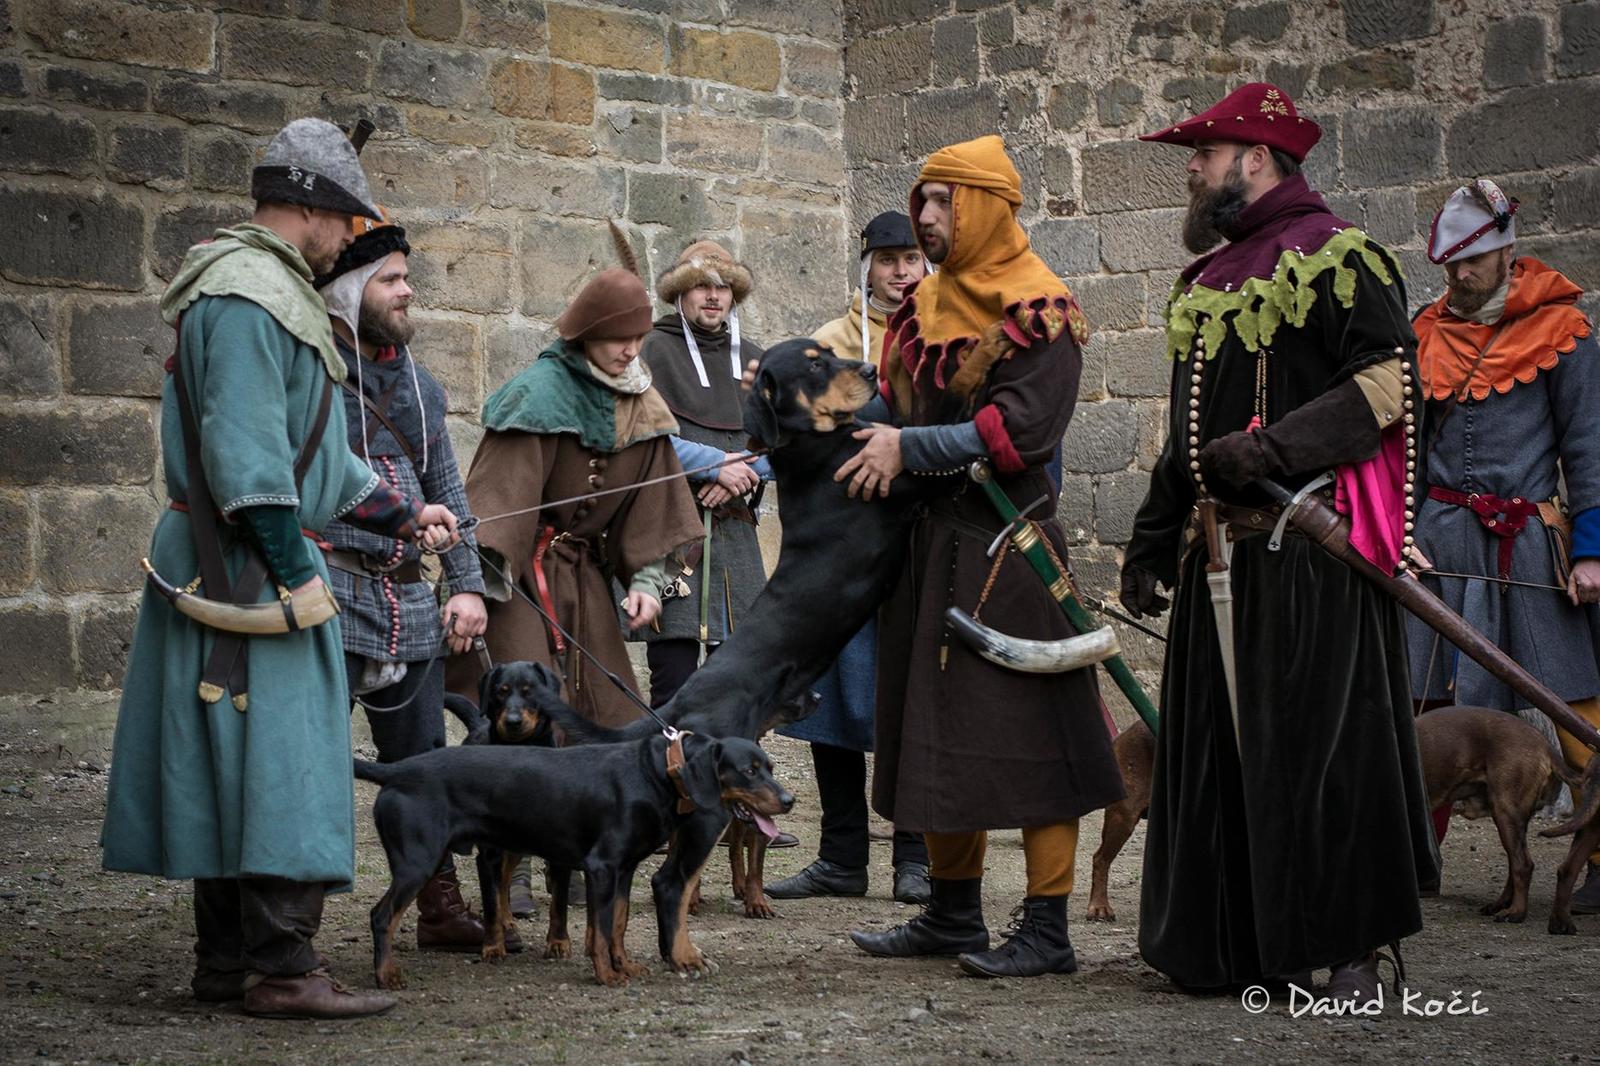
(1213, 213)
(382, 328)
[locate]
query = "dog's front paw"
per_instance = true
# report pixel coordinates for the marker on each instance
(692, 964)
(1562, 926)
(558, 948)
(758, 907)
(493, 952)
(1100, 911)
(629, 968)
(1513, 917)
(391, 978)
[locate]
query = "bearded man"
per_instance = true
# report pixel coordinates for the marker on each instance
(982, 362)
(395, 413)
(1511, 371)
(1287, 826)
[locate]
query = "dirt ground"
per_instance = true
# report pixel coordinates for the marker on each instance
(94, 967)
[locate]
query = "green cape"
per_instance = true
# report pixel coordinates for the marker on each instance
(561, 393)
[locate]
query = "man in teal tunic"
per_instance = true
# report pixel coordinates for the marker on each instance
(251, 797)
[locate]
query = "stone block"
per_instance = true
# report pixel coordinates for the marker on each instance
(813, 69)
(221, 161)
(535, 89)
(256, 108)
(450, 349)
(107, 443)
(955, 51)
(997, 27)
(945, 116)
(1391, 215)
(461, 266)
(446, 127)
(35, 656)
(1386, 71)
(17, 566)
(1576, 255)
(556, 187)
(874, 129)
(387, 17)
(1265, 22)
(1580, 40)
(56, 238)
(712, 143)
(554, 139)
(435, 20)
(1374, 22)
(92, 538)
(1075, 507)
(1100, 438)
(275, 50)
(739, 57)
(1092, 381)
(1069, 245)
(117, 348)
(179, 230)
(1321, 167)
(1515, 52)
(675, 200)
(1116, 502)
(824, 114)
(105, 91)
(29, 368)
(145, 155)
(864, 16)
(880, 188)
(556, 257)
(1136, 361)
(510, 347)
(168, 38)
(1292, 78)
(797, 153)
(1119, 103)
(1527, 129)
(1015, 57)
(802, 257)
(1577, 201)
(601, 38)
(811, 18)
(632, 133)
(38, 141)
(644, 87)
(1129, 175)
(11, 79)
(104, 628)
(1067, 105)
(1197, 91)
(1142, 240)
(1059, 173)
(404, 177)
(1111, 302)
(1390, 147)
(443, 77)
(514, 24)
(892, 63)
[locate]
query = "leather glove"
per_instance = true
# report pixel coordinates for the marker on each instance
(1235, 459)
(1139, 596)
(1336, 428)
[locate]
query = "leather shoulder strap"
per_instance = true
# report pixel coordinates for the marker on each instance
(383, 418)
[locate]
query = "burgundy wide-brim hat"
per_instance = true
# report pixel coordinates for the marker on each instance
(1257, 113)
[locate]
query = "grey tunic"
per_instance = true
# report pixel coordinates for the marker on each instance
(1508, 445)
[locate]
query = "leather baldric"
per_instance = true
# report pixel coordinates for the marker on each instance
(381, 413)
(675, 763)
(228, 666)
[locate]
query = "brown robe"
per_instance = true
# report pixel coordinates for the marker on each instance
(615, 534)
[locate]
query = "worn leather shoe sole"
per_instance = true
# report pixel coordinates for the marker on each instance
(1001, 963)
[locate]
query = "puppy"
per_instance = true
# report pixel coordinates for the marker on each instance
(1135, 749)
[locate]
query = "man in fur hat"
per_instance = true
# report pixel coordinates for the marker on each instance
(1288, 827)
(696, 356)
(390, 615)
(1511, 371)
(251, 797)
(982, 361)
(840, 730)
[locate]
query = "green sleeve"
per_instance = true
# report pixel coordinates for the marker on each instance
(277, 532)
(651, 578)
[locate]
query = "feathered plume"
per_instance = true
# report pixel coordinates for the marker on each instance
(630, 262)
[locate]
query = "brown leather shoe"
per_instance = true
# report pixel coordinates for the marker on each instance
(311, 995)
(444, 921)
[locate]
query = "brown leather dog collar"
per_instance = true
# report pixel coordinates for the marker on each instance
(675, 771)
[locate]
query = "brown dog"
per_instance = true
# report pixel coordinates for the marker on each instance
(1135, 749)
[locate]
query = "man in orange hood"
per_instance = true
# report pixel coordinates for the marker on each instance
(1512, 372)
(982, 361)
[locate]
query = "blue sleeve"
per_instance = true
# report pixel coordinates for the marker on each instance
(692, 455)
(1586, 534)
(877, 410)
(762, 468)
(941, 447)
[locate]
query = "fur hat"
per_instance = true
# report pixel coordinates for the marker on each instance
(374, 240)
(612, 305)
(312, 163)
(701, 262)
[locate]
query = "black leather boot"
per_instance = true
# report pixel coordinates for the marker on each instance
(1036, 943)
(953, 923)
(821, 878)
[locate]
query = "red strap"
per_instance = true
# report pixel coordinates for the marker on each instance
(1506, 519)
(543, 585)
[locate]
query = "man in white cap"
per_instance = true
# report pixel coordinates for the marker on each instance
(1511, 369)
(251, 797)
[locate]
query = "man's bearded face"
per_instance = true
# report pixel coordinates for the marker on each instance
(1214, 208)
(384, 318)
(1475, 279)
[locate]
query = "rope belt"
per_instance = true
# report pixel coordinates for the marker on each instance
(1506, 519)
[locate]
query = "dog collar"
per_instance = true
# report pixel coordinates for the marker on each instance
(675, 770)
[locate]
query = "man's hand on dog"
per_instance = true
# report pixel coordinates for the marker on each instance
(875, 465)
(464, 618)
(1584, 584)
(641, 609)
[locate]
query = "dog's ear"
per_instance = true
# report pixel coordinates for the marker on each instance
(702, 775)
(546, 676)
(486, 684)
(761, 413)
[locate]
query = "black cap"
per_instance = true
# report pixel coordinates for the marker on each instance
(889, 230)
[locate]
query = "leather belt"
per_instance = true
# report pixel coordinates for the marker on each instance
(408, 572)
(1506, 519)
(541, 583)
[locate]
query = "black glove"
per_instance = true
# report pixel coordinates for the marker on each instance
(1139, 596)
(1336, 428)
(1235, 459)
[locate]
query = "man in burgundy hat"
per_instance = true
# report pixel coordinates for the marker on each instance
(1288, 823)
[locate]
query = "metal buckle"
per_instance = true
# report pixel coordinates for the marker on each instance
(1275, 542)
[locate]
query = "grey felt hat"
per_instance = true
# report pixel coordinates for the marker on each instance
(312, 162)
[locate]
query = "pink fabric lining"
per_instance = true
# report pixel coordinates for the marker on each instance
(1370, 494)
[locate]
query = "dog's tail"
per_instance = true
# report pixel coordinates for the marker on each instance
(375, 771)
(573, 729)
(468, 714)
(1587, 809)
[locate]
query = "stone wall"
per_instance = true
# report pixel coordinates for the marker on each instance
(1414, 96)
(509, 130)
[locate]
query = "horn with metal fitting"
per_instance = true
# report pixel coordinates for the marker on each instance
(291, 613)
(1033, 656)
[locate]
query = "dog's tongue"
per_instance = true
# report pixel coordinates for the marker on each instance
(768, 827)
